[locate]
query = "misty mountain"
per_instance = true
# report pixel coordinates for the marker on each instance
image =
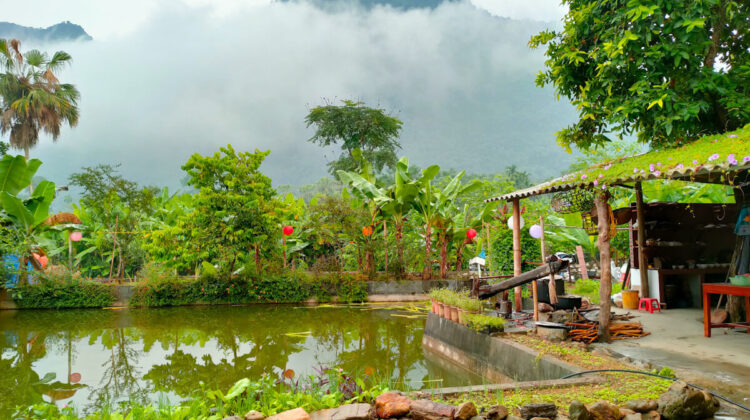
(63, 31)
(186, 81)
(369, 4)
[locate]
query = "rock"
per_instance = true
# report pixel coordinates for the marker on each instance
(477, 418)
(254, 415)
(391, 404)
(324, 414)
(651, 415)
(512, 417)
(431, 410)
(603, 410)
(498, 412)
(682, 402)
(529, 411)
(625, 411)
(554, 334)
(232, 418)
(351, 412)
(296, 414)
(633, 416)
(466, 411)
(578, 411)
(642, 406)
(540, 418)
(561, 316)
(545, 307)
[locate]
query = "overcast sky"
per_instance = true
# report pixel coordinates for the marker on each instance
(165, 79)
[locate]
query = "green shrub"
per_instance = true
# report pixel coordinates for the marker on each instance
(65, 292)
(589, 288)
(501, 257)
(485, 323)
(352, 291)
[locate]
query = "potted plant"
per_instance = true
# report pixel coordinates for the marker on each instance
(467, 306)
(485, 323)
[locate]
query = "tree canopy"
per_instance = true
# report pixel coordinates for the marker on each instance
(667, 72)
(356, 126)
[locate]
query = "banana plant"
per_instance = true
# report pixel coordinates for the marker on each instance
(27, 215)
(433, 204)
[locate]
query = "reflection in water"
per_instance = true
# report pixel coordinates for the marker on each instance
(91, 357)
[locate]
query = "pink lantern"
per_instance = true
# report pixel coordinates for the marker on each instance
(75, 378)
(471, 233)
(287, 230)
(76, 236)
(535, 231)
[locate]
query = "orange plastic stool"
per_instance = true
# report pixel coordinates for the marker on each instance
(649, 304)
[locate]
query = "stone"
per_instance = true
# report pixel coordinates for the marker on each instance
(603, 410)
(254, 415)
(296, 414)
(545, 307)
(633, 416)
(324, 414)
(391, 404)
(651, 415)
(682, 402)
(530, 411)
(540, 418)
(642, 406)
(359, 411)
(466, 411)
(478, 418)
(512, 417)
(561, 316)
(232, 418)
(554, 334)
(431, 410)
(578, 411)
(498, 412)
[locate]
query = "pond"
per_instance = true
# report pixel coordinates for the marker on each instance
(89, 357)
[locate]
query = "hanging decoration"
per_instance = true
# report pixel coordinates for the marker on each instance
(76, 236)
(471, 233)
(367, 230)
(535, 231)
(510, 222)
(287, 230)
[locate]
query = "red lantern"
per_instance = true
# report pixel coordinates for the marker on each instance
(471, 233)
(287, 230)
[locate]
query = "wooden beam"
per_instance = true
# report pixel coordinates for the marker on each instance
(537, 273)
(605, 284)
(642, 263)
(517, 252)
(552, 289)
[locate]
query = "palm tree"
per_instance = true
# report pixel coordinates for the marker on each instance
(31, 96)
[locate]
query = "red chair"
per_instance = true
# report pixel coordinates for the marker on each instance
(649, 304)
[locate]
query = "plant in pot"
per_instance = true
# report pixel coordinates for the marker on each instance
(468, 306)
(435, 297)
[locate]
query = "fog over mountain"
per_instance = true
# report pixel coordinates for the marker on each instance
(460, 78)
(63, 31)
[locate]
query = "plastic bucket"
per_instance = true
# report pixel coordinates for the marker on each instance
(630, 299)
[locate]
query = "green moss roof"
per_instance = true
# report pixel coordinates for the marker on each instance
(714, 158)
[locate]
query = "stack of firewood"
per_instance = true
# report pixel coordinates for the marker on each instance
(588, 332)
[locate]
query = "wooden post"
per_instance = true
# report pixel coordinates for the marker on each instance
(605, 285)
(517, 251)
(552, 289)
(642, 263)
(283, 240)
(487, 252)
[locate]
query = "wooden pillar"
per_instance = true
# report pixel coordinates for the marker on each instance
(605, 285)
(552, 289)
(642, 263)
(517, 251)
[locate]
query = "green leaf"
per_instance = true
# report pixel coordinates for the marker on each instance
(15, 208)
(16, 173)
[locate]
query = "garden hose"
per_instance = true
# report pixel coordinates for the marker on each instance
(744, 407)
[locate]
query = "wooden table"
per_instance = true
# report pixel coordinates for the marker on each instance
(723, 289)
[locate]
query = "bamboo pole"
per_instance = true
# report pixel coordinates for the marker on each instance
(642, 263)
(605, 284)
(551, 285)
(517, 251)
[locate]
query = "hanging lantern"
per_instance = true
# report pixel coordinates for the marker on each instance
(75, 236)
(510, 223)
(367, 230)
(75, 378)
(287, 230)
(471, 233)
(535, 231)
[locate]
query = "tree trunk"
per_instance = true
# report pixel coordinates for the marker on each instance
(385, 245)
(459, 255)
(605, 285)
(257, 258)
(443, 256)
(427, 271)
(517, 252)
(26, 153)
(400, 244)
(551, 285)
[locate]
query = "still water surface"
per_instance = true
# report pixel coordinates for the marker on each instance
(86, 357)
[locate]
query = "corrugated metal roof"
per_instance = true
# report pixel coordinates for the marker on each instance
(714, 159)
